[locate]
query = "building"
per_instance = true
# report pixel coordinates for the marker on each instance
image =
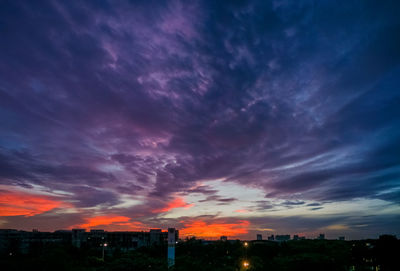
(171, 246)
(15, 241)
(78, 236)
(223, 238)
(259, 237)
(156, 236)
(271, 238)
(321, 236)
(342, 238)
(22, 241)
(285, 237)
(297, 237)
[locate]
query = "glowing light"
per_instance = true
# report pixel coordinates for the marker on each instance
(241, 211)
(246, 244)
(246, 264)
(337, 227)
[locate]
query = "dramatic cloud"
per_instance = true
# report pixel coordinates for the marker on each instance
(24, 204)
(142, 109)
(176, 203)
(110, 222)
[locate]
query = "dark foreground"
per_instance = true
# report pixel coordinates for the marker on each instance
(194, 255)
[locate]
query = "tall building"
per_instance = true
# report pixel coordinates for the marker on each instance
(321, 236)
(171, 246)
(259, 237)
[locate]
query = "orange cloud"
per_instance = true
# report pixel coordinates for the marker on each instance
(19, 203)
(241, 211)
(111, 223)
(212, 230)
(176, 203)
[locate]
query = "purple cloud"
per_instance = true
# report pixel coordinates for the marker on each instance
(126, 106)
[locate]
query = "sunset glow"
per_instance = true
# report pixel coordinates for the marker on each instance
(176, 203)
(215, 229)
(23, 204)
(110, 223)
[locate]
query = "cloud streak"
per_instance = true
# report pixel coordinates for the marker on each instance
(110, 222)
(25, 204)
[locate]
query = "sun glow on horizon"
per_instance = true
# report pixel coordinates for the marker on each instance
(111, 222)
(215, 229)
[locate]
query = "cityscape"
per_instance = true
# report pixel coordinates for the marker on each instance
(222, 135)
(160, 247)
(21, 241)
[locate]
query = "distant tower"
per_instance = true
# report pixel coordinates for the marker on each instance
(171, 246)
(259, 237)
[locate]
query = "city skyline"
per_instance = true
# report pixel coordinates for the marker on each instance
(162, 235)
(231, 118)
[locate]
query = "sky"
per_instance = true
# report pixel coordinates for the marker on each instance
(229, 118)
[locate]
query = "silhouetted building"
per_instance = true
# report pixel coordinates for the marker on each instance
(78, 236)
(342, 238)
(156, 236)
(223, 238)
(12, 241)
(284, 237)
(259, 237)
(297, 237)
(23, 241)
(271, 238)
(321, 236)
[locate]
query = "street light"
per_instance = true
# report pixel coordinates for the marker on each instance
(245, 262)
(104, 245)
